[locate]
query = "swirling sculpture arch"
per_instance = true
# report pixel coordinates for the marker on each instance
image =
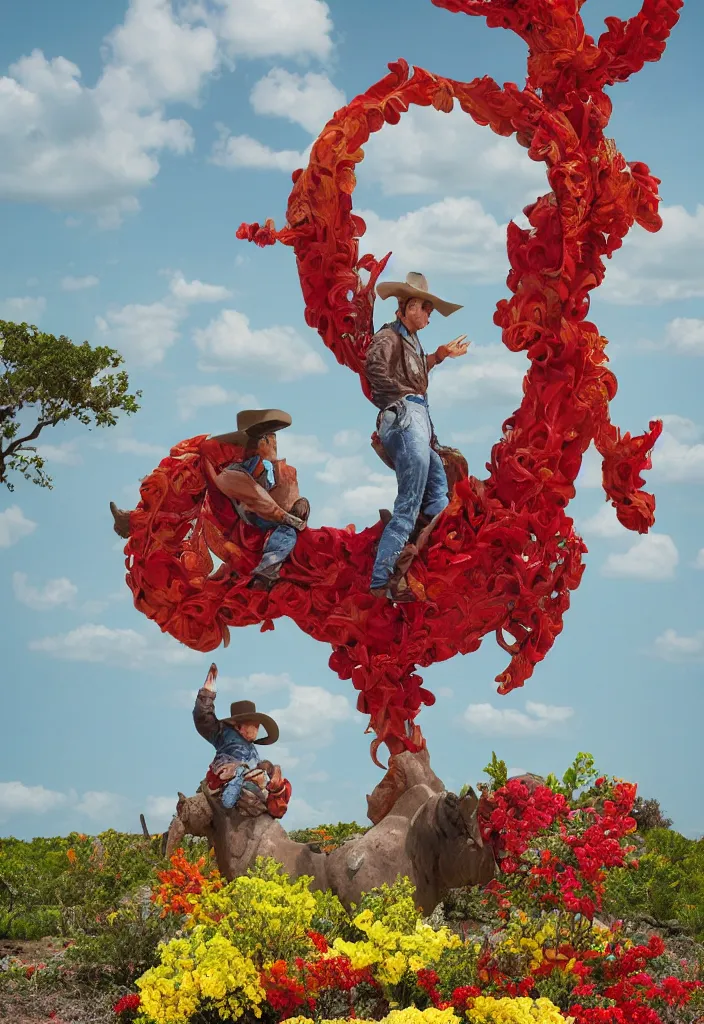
(504, 556)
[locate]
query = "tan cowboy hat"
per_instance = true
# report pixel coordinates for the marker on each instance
(246, 711)
(255, 423)
(415, 287)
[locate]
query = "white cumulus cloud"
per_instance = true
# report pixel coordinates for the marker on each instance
(79, 284)
(501, 721)
(269, 28)
(232, 151)
(429, 152)
(672, 646)
(653, 557)
(603, 524)
(309, 100)
(686, 336)
(141, 333)
(454, 236)
(14, 525)
(229, 343)
(17, 798)
(101, 807)
(486, 375)
(83, 146)
(674, 459)
(64, 454)
(666, 266)
(96, 643)
(311, 714)
(131, 446)
(26, 309)
(53, 594)
(159, 811)
(197, 291)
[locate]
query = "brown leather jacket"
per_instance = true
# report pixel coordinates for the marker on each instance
(394, 368)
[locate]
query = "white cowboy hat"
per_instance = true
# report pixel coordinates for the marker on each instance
(415, 287)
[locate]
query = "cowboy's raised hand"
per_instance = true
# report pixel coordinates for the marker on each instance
(457, 347)
(211, 677)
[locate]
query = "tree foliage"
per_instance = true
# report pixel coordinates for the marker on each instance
(47, 380)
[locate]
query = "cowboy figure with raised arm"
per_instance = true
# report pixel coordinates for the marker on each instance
(237, 773)
(273, 506)
(397, 370)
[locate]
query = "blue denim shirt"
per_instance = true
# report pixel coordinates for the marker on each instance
(229, 744)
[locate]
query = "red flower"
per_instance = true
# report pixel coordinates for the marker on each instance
(319, 941)
(129, 1002)
(284, 994)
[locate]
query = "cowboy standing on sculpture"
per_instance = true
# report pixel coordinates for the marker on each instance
(397, 370)
(237, 768)
(273, 506)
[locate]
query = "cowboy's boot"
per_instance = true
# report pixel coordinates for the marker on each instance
(301, 509)
(121, 518)
(265, 579)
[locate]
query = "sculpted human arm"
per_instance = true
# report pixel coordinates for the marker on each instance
(238, 485)
(453, 350)
(204, 716)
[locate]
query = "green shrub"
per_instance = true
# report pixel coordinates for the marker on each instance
(124, 946)
(667, 886)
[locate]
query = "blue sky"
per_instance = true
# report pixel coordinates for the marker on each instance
(136, 137)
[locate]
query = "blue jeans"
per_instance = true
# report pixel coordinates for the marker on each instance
(405, 432)
(279, 544)
(232, 790)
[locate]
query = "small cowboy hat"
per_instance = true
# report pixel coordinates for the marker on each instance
(255, 423)
(246, 711)
(415, 287)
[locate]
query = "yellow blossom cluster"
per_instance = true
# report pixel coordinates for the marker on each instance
(545, 938)
(197, 969)
(265, 916)
(411, 1015)
(391, 952)
(488, 1010)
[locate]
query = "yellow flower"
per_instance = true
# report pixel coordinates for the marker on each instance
(393, 969)
(488, 1010)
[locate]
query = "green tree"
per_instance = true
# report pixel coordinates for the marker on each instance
(47, 380)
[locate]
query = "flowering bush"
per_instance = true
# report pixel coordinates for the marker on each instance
(264, 946)
(184, 883)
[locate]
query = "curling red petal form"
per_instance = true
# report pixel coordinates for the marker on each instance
(504, 556)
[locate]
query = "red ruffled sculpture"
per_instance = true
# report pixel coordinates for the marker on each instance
(504, 555)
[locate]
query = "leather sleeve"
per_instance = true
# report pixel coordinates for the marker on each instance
(204, 717)
(380, 359)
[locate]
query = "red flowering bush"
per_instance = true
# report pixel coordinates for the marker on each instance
(553, 852)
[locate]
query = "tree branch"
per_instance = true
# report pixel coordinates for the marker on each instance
(12, 448)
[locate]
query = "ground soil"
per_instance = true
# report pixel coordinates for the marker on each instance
(35, 1005)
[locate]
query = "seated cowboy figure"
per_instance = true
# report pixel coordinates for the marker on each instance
(271, 505)
(397, 371)
(237, 772)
